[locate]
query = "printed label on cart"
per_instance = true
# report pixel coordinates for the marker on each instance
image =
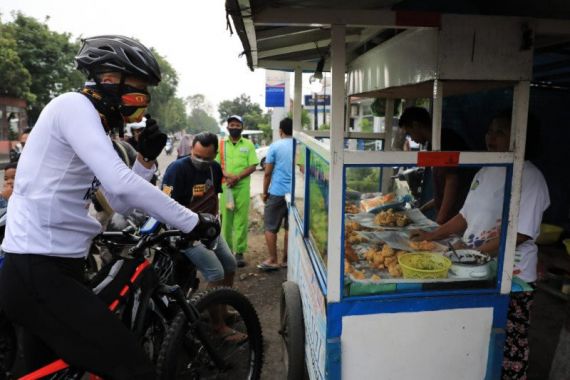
(438, 158)
(314, 310)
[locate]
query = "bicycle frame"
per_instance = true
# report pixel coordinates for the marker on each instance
(174, 291)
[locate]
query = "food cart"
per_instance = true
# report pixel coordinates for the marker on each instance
(347, 312)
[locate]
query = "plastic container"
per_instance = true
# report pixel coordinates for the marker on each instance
(424, 265)
(549, 234)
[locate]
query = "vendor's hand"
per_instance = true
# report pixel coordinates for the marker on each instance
(265, 197)
(459, 244)
(151, 140)
(419, 235)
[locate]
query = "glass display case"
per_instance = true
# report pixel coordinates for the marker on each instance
(392, 246)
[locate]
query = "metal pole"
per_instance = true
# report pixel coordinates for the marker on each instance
(324, 98)
(315, 116)
(298, 87)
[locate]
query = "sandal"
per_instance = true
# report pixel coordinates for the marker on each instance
(232, 318)
(233, 336)
(267, 267)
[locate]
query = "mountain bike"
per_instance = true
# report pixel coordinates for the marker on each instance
(145, 296)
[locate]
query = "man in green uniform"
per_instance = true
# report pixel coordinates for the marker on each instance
(238, 160)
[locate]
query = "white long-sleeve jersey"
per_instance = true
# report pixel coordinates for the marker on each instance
(66, 158)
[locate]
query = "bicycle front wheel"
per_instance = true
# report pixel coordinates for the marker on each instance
(238, 341)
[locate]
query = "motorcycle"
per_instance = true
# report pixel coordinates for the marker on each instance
(168, 148)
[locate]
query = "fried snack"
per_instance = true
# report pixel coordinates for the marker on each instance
(358, 275)
(422, 245)
(350, 254)
(390, 260)
(369, 255)
(378, 261)
(390, 218)
(400, 253)
(395, 270)
(355, 238)
(350, 227)
(347, 267)
(375, 277)
(351, 209)
(387, 251)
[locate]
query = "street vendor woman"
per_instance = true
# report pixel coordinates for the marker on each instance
(480, 222)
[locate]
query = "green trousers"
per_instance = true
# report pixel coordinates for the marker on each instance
(235, 223)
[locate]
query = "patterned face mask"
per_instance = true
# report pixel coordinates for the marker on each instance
(133, 106)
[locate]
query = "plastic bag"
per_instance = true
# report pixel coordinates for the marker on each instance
(230, 203)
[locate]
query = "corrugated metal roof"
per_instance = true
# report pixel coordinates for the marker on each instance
(279, 34)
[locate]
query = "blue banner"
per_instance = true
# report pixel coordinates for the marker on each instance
(275, 96)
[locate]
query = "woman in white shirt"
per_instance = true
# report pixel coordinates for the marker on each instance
(480, 222)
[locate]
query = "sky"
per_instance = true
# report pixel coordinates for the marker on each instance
(191, 35)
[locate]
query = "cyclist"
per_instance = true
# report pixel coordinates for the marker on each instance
(68, 156)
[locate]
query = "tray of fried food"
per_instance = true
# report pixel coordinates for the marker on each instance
(385, 258)
(355, 238)
(358, 275)
(390, 218)
(349, 253)
(351, 208)
(427, 246)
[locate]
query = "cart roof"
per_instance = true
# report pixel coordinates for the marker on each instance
(280, 34)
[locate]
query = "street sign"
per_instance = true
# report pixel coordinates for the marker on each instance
(321, 100)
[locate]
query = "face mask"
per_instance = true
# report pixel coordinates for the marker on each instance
(133, 104)
(132, 114)
(235, 132)
(200, 164)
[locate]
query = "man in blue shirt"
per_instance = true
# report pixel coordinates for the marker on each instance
(276, 183)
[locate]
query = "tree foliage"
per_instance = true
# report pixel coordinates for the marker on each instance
(15, 79)
(250, 112)
(48, 58)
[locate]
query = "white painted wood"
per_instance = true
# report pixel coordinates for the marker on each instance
(436, 115)
(297, 98)
(319, 147)
(348, 135)
(519, 122)
(308, 67)
(387, 172)
(336, 186)
(262, 54)
(322, 17)
(434, 345)
(245, 9)
(411, 158)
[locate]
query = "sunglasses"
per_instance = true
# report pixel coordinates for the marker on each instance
(135, 99)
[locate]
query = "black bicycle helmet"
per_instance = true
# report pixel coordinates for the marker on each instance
(117, 53)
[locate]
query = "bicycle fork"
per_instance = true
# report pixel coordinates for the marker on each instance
(193, 316)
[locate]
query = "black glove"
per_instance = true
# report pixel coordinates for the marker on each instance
(207, 229)
(151, 141)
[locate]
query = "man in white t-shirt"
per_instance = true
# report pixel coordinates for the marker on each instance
(480, 221)
(68, 157)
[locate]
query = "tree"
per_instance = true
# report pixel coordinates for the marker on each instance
(199, 101)
(15, 79)
(305, 118)
(200, 121)
(250, 112)
(47, 56)
(169, 110)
